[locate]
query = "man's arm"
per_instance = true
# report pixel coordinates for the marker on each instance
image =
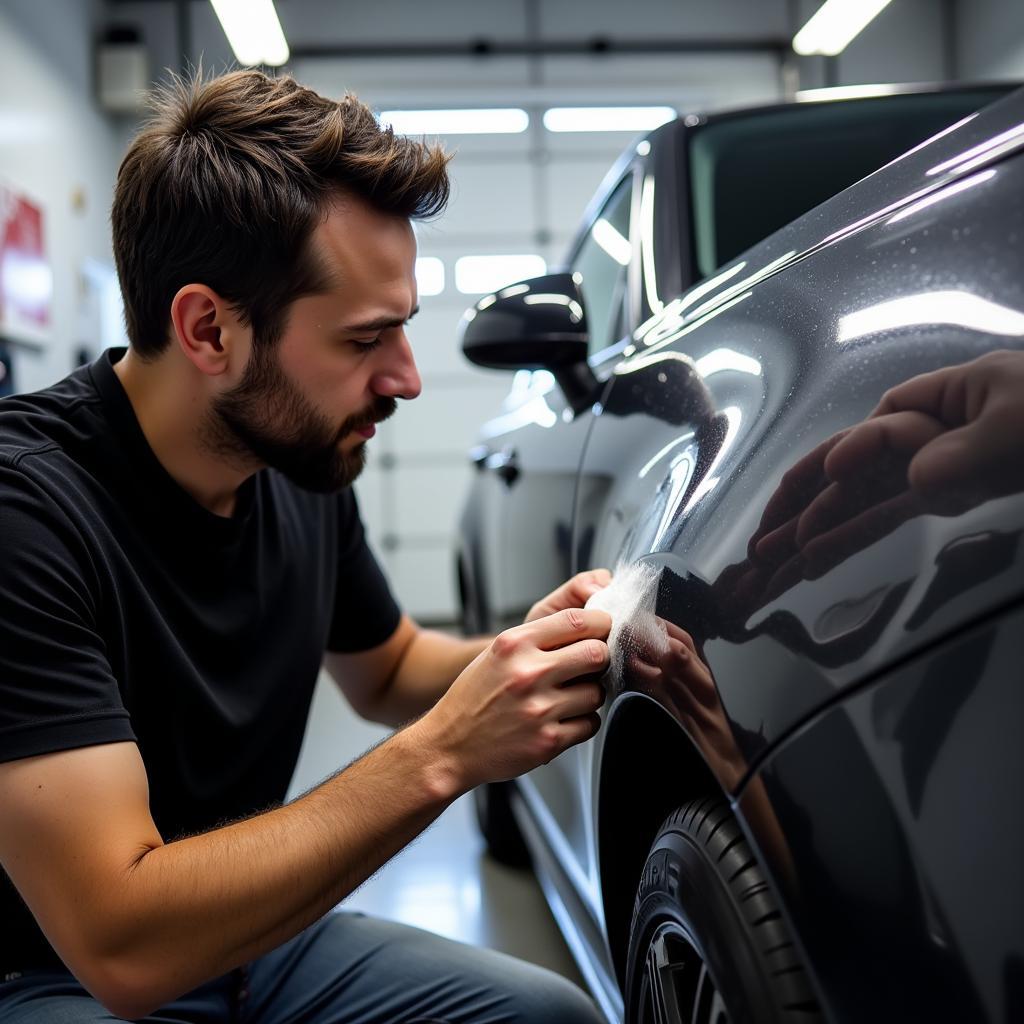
(407, 674)
(140, 921)
(404, 676)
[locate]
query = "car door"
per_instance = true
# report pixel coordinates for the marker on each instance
(534, 447)
(540, 456)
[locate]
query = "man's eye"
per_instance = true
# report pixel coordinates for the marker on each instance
(366, 345)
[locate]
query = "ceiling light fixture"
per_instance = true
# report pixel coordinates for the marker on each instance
(493, 121)
(429, 275)
(832, 27)
(253, 30)
(475, 275)
(606, 119)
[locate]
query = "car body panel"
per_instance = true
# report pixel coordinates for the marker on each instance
(782, 377)
(900, 808)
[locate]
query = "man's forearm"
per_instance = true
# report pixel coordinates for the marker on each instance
(427, 668)
(196, 908)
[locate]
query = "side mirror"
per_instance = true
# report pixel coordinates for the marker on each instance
(538, 324)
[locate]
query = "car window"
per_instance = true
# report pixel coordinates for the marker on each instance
(602, 261)
(752, 174)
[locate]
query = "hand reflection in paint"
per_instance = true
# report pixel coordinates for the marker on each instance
(662, 660)
(676, 675)
(938, 444)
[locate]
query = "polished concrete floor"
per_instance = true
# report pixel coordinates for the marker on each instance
(444, 881)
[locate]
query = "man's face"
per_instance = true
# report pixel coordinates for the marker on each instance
(307, 405)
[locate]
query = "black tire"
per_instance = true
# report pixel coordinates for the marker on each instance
(708, 943)
(498, 825)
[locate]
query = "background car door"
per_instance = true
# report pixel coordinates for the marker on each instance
(540, 456)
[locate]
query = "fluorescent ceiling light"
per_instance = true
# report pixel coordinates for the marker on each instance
(492, 121)
(606, 119)
(834, 25)
(477, 274)
(253, 30)
(429, 275)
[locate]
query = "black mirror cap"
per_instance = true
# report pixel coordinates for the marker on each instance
(538, 324)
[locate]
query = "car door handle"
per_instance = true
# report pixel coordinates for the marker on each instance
(506, 464)
(479, 455)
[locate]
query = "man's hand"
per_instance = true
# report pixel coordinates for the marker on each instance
(573, 594)
(530, 695)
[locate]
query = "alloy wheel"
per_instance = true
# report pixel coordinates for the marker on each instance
(677, 987)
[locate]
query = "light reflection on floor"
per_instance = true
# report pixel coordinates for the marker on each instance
(444, 881)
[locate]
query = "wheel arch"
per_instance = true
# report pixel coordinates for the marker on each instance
(649, 766)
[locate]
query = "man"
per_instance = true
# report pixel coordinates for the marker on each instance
(180, 549)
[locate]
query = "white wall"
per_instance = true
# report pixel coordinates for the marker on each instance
(904, 43)
(56, 147)
(990, 39)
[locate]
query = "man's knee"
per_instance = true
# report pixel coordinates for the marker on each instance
(58, 1009)
(552, 999)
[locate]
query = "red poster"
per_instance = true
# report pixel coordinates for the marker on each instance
(26, 282)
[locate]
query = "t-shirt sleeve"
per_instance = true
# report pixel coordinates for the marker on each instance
(365, 611)
(57, 690)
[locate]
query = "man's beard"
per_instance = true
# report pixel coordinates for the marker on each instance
(266, 418)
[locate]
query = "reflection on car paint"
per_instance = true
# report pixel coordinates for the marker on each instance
(933, 309)
(990, 149)
(648, 262)
(938, 197)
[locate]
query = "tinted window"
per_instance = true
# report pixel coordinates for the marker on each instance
(603, 262)
(752, 174)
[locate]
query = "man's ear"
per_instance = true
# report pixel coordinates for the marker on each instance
(206, 329)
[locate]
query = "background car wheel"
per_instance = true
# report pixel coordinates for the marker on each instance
(497, 823)
(708, 943)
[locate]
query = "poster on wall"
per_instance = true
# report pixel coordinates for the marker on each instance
(26, 280)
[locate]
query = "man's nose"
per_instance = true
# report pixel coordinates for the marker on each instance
(399, 378)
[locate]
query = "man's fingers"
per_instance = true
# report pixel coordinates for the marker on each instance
(574, 593)
(584, 658)
(578, 730)
(580, 589)
(567, 626)
(593, 577)
(579, 699)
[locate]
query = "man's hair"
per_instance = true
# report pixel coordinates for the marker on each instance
(226, 183)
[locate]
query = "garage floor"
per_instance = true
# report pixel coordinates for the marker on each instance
(444, 881)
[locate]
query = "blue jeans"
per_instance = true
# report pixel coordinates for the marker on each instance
(345, 969)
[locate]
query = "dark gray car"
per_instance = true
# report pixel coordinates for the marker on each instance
(808, 473)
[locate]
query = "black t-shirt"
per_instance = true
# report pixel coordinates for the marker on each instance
(130, 612)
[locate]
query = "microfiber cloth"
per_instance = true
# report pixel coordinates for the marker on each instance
(630, 600)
